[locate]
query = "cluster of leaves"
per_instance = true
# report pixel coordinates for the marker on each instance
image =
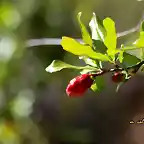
(101, 47)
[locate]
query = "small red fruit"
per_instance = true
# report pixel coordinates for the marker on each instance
(79, 85)
(118, 77)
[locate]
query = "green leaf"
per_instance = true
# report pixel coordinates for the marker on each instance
(99, 84)
(130, 39)
(129, 59)
(85, 35)
(97, 28)
(142, 26)
(84, 71)
(135, 47)
(121, 57)
(140, 41)
(88, 61)
(133, 50)
(111, 38)
(94, 87)
(127, 48)
(141, 69)
(92, 62)
(76, 48)
(99, 46)
(142, 54)
(58, 65)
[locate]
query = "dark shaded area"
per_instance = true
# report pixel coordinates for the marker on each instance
(106, 119)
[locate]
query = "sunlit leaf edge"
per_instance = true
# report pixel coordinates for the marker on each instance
(74, 47)
(58, 65)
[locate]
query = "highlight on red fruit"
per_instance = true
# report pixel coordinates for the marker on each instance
(79, 85)
(118, 77)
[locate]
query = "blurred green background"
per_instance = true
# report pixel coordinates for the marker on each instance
(34, 108)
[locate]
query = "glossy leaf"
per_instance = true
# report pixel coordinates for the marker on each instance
(111, 38)
(76, 48)
(58, 65)
(97, 28)
(85, 34)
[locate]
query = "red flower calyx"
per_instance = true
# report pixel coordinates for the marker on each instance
(79, 85)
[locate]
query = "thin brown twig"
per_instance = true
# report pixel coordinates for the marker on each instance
(57, 41)
(132, 30)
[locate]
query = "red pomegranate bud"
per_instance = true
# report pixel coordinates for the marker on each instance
(79, 85)
(118, 77)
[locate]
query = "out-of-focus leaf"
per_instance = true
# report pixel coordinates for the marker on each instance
(7, 48)
(111, 38)
(76, 48)
(57, 65)
(99, 84)
(85, 35)
(8, 133)
(97, 28)
(9, 16)
(22, 105)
